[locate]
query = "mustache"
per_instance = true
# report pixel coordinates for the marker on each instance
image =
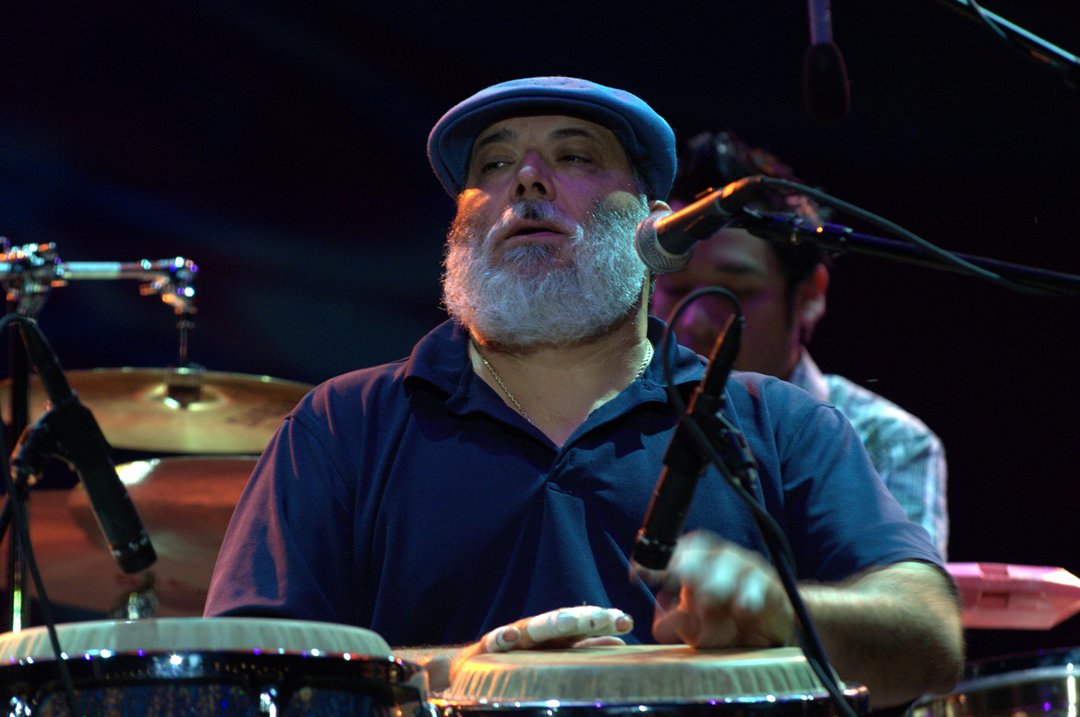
(533, 210)
(467, 224)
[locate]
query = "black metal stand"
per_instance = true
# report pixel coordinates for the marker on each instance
(1030, 44)
(839, 239)
(17, 602)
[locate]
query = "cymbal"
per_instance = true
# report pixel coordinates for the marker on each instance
(185, 504)
(159, 410)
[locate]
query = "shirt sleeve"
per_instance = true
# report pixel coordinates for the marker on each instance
(912, 465)
(908, 456)
(288, 535)
(837, 513)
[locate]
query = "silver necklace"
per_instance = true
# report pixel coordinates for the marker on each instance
(517, 405)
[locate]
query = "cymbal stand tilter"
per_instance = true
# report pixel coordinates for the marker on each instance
(28, 273)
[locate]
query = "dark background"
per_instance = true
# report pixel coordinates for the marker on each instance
(281, 146)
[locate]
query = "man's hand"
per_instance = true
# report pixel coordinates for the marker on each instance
(584, 625)
(580, 626)
(721, 595)
(894, 628)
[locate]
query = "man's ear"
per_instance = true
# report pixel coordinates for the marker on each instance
(810, 301)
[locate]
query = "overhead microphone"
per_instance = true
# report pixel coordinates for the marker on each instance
(825, 80)
(69, 431)
(664, 243)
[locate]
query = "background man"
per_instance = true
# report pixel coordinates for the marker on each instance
(782, 289)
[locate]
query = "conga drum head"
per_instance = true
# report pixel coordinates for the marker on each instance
(1042, 683)
(215, 666)
(659, 678)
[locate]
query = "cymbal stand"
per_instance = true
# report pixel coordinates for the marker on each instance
(17, 604)
(25, 294)
(28, 273)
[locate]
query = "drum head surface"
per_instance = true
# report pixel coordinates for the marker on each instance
(203, 634)
(632, 674)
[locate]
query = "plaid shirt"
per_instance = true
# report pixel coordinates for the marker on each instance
(907, 455)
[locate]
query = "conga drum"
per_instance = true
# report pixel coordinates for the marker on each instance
(220, 667)
(660, 679)
(1042, 683)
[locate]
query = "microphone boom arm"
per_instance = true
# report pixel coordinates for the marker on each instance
(1030, 44)
(839, 239)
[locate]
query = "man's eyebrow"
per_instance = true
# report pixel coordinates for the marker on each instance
(502, 135)
(506, 134)
(569, 132)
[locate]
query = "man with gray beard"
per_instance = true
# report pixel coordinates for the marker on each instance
(484, 493)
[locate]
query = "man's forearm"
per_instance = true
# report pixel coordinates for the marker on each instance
(896, 630)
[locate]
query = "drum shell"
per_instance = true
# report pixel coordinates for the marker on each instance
(1043, 683)
(224, 682)
(218, 684)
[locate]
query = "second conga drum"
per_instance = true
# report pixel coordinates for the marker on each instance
(1042, 683)
(654, 678)
(217, 667)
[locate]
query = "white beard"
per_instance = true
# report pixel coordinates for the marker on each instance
(539, 294)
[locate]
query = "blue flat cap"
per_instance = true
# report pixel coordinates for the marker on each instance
(645, 135)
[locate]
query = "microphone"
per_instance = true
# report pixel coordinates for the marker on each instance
(664, 244)
(77, 439)
(685, 461)
(825, 80)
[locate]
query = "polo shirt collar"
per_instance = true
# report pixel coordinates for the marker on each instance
(441, 359)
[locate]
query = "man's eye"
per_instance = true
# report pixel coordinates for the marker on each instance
(575, 158)
(492, 165)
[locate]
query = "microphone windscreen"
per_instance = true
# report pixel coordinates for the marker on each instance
(825, 83)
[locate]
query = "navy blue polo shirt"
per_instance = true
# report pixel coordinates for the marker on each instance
(411, 500)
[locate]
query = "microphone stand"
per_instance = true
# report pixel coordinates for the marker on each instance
(1031, 45)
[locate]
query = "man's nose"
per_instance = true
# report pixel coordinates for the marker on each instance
(533, 179)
